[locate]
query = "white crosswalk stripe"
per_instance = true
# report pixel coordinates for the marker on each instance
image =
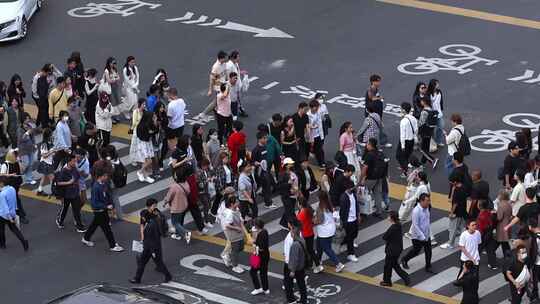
(136, 192)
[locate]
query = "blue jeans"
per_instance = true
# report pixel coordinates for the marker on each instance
(177, 219)
(26, 161)
(449, 164)
(438, 136)
(325, 245)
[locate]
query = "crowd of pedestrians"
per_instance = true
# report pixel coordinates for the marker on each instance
(220, 174)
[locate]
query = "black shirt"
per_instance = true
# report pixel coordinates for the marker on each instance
(480, 190)
(376, 104)
(511, 165)
(179, 154)
(70, 191)
(527, 211)
(465, 177)
(300, 124)
(258, 153)
(276, 131)
(460, 200)
(369, 159)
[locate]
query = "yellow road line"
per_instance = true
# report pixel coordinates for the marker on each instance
(465, 12)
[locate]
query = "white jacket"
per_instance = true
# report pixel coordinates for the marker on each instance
(131, 81)
(453, 138)
(104, 118)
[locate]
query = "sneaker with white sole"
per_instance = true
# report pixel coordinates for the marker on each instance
(272, 206)
(59, 225)
(87, 243)
(238, 269)
(388, 145)
(340, 267)
(434, 242)
(435, 162)
(355, 245)
(318, 269)
(267, 292)
(175, 236)
(407, 235)
(205, 231)
(140, 176)
(352, 258)
(257, 291)
(149, 180)
(117, 248)
(188, 237)
(208, 225)
(446, 246)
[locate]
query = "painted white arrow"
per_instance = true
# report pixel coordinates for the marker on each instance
(528, 74)
(261, 33)
(534, 80)
(188, 262)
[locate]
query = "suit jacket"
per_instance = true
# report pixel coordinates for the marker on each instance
(344, 207)
(302, 180)
(394, 240)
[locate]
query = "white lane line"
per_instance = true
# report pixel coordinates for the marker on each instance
(187, 16)
(145, 191)
(208, 295)
(487, 286)
(376, 255)
(270, 85)
(439, 280)
(202, 18)
(119, 145)
(253, 78)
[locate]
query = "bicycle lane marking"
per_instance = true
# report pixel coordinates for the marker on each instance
(458, 11)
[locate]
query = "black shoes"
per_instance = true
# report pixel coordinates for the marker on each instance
(134, 281)
(407, 281)
(430, 270)
(167, 279)
(25, 245)
(385, 284)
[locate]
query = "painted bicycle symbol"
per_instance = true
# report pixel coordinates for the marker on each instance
(316, 294)
(463, 56)
(123, 8)
(498, 140)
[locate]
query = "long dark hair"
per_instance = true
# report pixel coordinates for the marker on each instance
(194, 130)
(417, 88)
(127, 67)
(432, 87)
(108, 64)
(14, 78)
(394, 216)
(146, 119)
(210, 132)
(324, 202)
(344, 127)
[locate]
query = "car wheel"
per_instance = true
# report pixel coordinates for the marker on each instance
(24, 28)
(39, 4)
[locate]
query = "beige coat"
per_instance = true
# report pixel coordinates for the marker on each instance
(504, 216)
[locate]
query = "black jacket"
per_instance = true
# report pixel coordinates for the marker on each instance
(394, 240)
(345, 205)
(302, 180)
(152, 235)
(469, 283)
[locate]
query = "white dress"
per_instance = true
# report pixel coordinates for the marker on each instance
(143, 149)
(131, 88)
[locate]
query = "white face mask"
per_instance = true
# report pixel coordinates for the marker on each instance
(65, 118)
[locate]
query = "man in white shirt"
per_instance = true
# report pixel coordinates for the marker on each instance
(234, 67)
(316, 132)
(468, 244)
(518, 197)
(175, 112)
(452, 140)
(218, 76)
(408, 131)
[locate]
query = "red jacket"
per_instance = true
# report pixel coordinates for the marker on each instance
(236, 141)
(194, 192)
(484, 221)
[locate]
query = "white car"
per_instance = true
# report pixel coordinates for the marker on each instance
(14, 17)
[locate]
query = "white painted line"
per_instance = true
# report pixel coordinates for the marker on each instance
(145, 191)
(208, 295)
(372, 231)
(253, 78)
(202, 18)
(487, 286)
(439, 280)
(376, 255)
(119, 145)
(216, 21)
(270, 85)
(187, 16)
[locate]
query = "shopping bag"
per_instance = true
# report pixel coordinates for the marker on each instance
(248, 238)
(137, 246)
(367, 204)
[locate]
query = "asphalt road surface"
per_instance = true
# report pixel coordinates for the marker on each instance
(485, 66)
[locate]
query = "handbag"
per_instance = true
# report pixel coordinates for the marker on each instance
(254, 261)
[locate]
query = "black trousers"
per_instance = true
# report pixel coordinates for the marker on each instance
(288, 283)
(156, 255)
(216, 202)
(515, 295)
(265, 181)
(391, 262)
(196, 215)
(20, 209)
(247, 208)
(351, 232)
(224, 126)
(43, 113)
(13, 228)
(288, 210)
(101, 219)
(505, 248)
(318, 150)
(424, 148)
(535, 276)
(59, 158)
(490, 244)
(262, 272)
(105, 137)
(403, 155)
(76, 206)
(415, 250)
(311, 250)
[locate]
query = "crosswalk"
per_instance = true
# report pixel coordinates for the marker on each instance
(370, 251)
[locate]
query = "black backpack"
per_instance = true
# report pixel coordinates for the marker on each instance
(380, 166)
(432, 119)
(119, 175)
(163, 224)
(464, 145)
(56, 190)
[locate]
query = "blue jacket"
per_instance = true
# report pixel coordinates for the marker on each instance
(62, 136)
(8, 202)
(100, 198)
(151, 103)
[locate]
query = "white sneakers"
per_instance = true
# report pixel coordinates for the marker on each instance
(117, 248)
(257, 292)
(188, 237)
(318, 269)
(208, 225)
(143, 178)
(340, 267)
(149, 180)
(87, 243)
(238, 269)
(205, 231)
(271, 206)
(352, 258)
(407, 235)
(175, 236)
(447, 246)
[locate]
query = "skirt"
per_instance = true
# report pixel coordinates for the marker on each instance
(143, 150)
(352, 159)
(45, 169)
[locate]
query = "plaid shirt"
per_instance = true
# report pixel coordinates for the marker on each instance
(371, 127)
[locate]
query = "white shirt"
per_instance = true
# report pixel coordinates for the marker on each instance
(436, 103)
(219, 69)
(230, 67)
(308, 178)
(228, 179)
(470, 242)
(315, 119)
(352, 208)
(517, 197)
(131, 81)
(175, 111)
(287, 243)
(328, 226)
(453, 138)
(408, 129)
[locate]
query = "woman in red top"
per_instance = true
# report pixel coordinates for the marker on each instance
(305, 216)
(485, 226)
(237, 145)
